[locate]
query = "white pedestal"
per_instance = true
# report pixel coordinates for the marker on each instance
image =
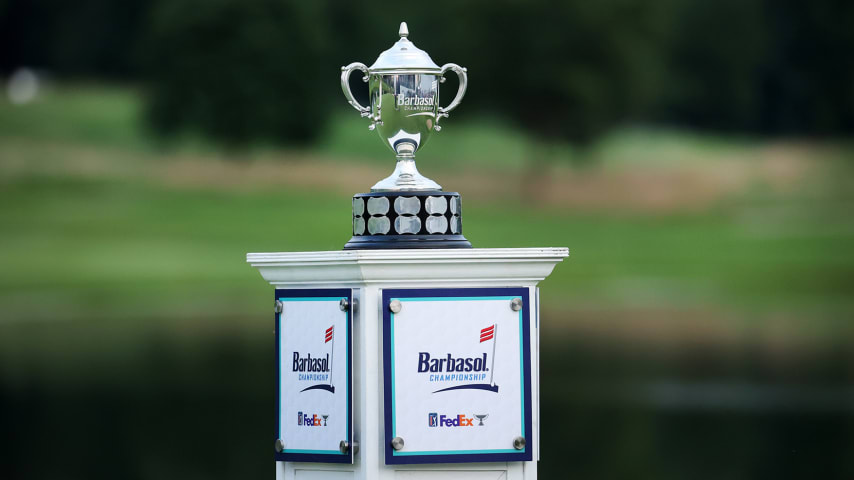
(367, 272)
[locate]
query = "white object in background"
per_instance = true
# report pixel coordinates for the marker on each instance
(23, 86)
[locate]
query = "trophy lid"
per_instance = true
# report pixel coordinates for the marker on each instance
(404, 55)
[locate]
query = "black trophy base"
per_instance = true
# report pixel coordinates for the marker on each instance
(396, 220)
(366, 242)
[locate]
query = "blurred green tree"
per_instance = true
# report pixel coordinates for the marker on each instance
(769, 67)
(84, 38)
(237, 71)
(713, 76)
(567, 70)
(571, 70)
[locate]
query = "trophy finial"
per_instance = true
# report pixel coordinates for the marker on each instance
(404, 31)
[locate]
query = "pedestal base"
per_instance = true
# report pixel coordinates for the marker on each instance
(368, 273)
(407, 220)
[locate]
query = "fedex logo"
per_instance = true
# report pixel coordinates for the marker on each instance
(443, 421)
(311, 420)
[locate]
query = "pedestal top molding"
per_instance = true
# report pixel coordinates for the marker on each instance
(414, 267)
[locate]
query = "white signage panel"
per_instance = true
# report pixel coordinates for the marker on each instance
(313, 351)
(457, 369)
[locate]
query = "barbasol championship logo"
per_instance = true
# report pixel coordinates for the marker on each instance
(477, 372)
(317, 368)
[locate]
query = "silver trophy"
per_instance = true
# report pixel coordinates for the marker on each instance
(405, 210)
(404, 93)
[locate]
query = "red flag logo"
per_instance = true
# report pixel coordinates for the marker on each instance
(329, 332)
(487, 333)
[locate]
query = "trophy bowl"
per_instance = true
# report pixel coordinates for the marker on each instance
(411, 102)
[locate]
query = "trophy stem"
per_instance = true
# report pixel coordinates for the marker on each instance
(406, 178)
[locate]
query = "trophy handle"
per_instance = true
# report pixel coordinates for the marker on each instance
(345, 86)
(461, 73)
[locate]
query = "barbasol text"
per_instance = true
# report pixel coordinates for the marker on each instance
(450, 364)
(414, 101)
(308, 364)
(316, 369)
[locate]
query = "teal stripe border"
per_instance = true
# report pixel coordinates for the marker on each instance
(347, 327)
(309, 299)
(445, 299)
(313, 451)
(456, 452)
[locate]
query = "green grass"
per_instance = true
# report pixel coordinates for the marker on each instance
(110, 116)
(109, 247)
(101, 246)
(91, 115)
(483, 143)
(125, 246)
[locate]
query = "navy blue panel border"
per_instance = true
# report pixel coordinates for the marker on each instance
(521, 292)
(317, 457)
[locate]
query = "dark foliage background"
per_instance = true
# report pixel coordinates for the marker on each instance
(265, 69)
(237, 71)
